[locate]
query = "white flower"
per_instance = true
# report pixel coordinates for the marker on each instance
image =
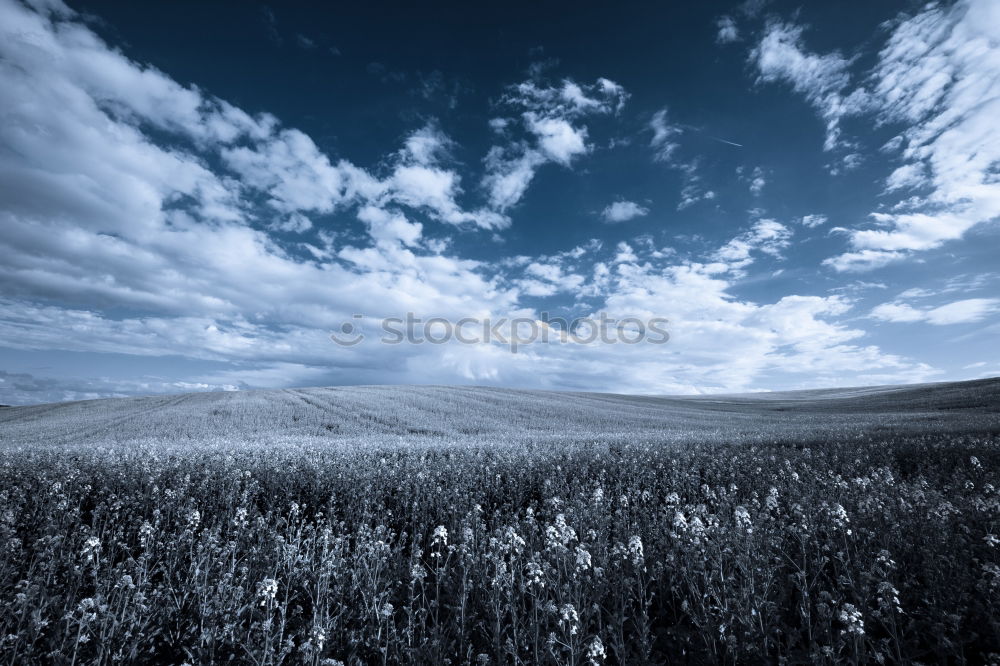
(440, 536)
(92, 546)
(512, 541)
(569, 618)
(267, 590)
(582, 559)
(559, 535)
(889, 596)
(885, 559)
(743, 518)
(697, 527)
(595, 653)
(771, 502)
(146, 532)
(240, 519)
(853, 621)
(533, 572)
(839, 515)
(635, 550)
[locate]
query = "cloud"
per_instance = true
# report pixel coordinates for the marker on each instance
(551, 117)
(499, 125)
(568, 99)
(692, 193)
(148, 219)
(387, 227)
(296, 176)
(813, 221)
(767, 236)
(296, 223)
(966, 311)
(623, 211)
(728, 32)
(821, 79)
(559, 141)
(665, 146)
(507, 179)
(99, 211)
(59, 75)
(937, 77)
(757, 182)
(717, 340)
(862, 260)
(548, 279)
(18, 388)
(614, 92)
(907, 177)
(726, 341)
(427, 146)
(663, 142)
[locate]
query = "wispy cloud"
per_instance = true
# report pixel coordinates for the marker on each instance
(665, 134)
(821, 79)
(766, 236)
(727, 30)
(812, 221)
(966, 311)
(757, 181)
(552, 116)
(937, 76)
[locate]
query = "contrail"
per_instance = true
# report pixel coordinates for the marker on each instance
(731, 143)
(710, 136)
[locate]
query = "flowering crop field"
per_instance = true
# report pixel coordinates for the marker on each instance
(435, 525)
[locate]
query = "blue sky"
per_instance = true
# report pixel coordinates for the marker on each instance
(194, 200)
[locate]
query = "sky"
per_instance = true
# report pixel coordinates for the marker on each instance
(195, 196)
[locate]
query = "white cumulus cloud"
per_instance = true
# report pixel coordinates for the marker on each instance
(623, 211)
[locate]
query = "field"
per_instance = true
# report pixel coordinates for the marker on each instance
(436, 525)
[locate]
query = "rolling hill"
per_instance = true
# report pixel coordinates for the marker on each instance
(454, 414)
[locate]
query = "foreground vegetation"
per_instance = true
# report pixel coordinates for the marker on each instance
(613, 551)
